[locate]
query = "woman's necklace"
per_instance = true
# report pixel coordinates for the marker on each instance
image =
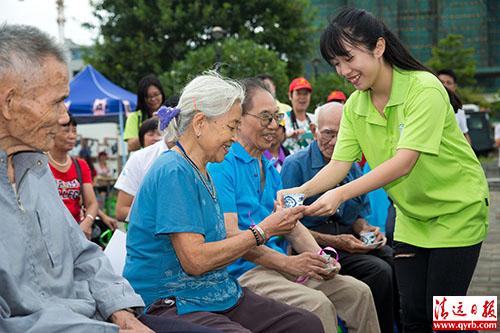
(57, 164)
(209, 185)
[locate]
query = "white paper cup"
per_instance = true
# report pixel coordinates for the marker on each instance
(293, 200)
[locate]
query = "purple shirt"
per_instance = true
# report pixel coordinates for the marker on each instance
(277, 162)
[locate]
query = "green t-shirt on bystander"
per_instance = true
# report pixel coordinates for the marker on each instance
(134, 122)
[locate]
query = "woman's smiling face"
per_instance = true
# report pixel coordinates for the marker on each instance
(361, 66)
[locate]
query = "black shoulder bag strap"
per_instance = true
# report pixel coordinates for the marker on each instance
(295, 125)
(79, 176)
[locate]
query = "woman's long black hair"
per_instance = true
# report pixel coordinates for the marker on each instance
(142, 94)
(358, 27)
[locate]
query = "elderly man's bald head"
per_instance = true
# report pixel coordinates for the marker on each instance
(332, 110)
(328, 118)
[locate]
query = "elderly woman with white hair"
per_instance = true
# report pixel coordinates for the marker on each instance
(177, 248)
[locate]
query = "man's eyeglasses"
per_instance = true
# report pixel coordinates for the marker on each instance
(328, 134)
(267, 118)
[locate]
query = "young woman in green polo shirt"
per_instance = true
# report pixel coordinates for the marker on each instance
(400, 117)
(150, 97)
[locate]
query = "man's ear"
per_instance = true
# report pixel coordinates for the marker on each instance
(290, 96)
(7, 103)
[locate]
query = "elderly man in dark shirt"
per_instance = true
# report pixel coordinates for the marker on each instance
(370, 264)
(52, 279)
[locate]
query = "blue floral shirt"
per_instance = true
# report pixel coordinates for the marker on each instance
(173, 199)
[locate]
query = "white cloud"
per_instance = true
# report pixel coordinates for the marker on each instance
(43, 14)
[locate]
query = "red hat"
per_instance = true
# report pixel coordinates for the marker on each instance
(299, 83)
(336, 95)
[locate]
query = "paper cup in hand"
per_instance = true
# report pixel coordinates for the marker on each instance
(293, 199)
(368, 237)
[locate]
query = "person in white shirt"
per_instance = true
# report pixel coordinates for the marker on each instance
(132, 174)
(449, 80)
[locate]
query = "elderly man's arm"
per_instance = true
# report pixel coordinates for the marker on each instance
(51, 319)
(110, 291)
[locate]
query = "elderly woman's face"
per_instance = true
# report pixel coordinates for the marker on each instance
(65, 139)
(220, 133)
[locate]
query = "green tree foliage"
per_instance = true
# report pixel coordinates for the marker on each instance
(238, 59)
(450, 53)
(148, 36)
(323, 86)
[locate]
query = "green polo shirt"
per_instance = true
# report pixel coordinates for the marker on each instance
(132, 125)
(443, 201)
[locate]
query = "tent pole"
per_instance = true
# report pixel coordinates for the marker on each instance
(122, 143)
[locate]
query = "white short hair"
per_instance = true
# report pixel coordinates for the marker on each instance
(209, 93)
(323, 108)
(23, 49)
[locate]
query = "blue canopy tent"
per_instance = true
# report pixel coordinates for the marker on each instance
(94, 99)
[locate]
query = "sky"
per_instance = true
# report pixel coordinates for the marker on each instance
(43, 14)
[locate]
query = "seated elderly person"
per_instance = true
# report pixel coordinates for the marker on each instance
(176, 245)
(247, 184)
(371, 264)
(52, 279)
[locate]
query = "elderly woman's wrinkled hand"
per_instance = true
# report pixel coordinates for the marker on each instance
(282, 221)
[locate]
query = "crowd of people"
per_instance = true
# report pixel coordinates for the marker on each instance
(211, 244)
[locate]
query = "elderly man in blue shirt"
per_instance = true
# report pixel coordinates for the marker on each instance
(52, 279)
(247, 184)
(371, 264)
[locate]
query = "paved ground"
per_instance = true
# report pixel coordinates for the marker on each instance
(486, 280)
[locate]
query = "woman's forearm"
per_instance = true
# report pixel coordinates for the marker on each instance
(392, 169)
(327, 178)
(198, 257)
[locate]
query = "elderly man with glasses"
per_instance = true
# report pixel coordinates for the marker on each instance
(370, 263)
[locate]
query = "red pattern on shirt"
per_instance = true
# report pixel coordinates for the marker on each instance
(69, 187)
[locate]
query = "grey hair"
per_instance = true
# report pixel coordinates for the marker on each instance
(322, 108)
(209, 93)
(24, 48)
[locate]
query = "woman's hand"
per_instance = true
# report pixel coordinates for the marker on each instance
(110, 222)
(282, 221)
(86, 226)
(326, 205)
(298, 132)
